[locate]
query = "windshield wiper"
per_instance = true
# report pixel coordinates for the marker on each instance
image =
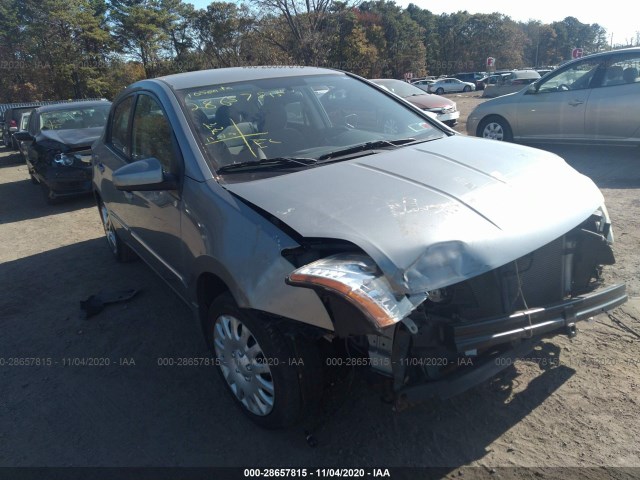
(365, 146)
(269, 163)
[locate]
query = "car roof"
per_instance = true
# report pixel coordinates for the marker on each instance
(72, 105)
(199, 78)
(604, 54)
(525, 74)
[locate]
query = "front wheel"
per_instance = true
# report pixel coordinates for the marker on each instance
(467, 88)
(439, 91)
(495, 128)
(254, 360)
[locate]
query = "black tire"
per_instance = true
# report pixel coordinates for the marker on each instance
(439, 91)
(120, 250)
(229, 331)
(495, 128)
(467, 88)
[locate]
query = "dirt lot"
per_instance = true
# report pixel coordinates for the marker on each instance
(574, 403)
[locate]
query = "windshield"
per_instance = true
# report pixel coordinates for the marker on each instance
(75, 118)
(307, 118)
(400, 88)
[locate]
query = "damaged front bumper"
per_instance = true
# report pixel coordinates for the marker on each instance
(488, 346)
(470, 337)
(69, 181)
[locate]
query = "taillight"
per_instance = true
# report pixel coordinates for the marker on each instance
(13, 123)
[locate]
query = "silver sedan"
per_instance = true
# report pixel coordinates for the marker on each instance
(450, 85)
(592, 99)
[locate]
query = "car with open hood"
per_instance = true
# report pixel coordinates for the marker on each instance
(304, 233)
(57, 146)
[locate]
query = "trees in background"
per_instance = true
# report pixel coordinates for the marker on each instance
(52, 49)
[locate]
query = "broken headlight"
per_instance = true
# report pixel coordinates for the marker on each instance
(63, 159)
(603, 223)
(356, 278)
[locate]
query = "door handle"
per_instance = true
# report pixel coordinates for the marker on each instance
(575, 103)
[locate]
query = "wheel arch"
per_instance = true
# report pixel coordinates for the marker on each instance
(208, 287)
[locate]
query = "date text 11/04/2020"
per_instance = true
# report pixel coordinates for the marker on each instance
(317, 472)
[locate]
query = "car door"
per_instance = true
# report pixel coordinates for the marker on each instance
(151, 218)
(449, 86)
(612, 109)
(154, 216)
(114, 153)
(556, 110)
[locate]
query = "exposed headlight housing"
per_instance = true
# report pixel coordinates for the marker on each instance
(603, 225)
(63, 159)
(356, 278)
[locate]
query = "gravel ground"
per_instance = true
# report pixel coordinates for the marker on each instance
(573, 403)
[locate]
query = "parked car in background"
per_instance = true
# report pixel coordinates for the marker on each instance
(422, 79)
(521, 77)
(494, 79)
(58, 142)
(300, 231)
(423, 84)
(450, 85)
(472, 77)
(511, 82)
(543, 71)
(24, 122)
(444, 109)
(12, 125)
(592, 99)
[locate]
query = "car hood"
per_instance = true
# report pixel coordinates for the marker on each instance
(429, 101)
(435, 213)
(82, 137)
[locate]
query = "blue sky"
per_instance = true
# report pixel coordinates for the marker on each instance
(620, 19)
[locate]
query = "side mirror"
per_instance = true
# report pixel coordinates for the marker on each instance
(23, 136)
(144, 175)
(532, 88)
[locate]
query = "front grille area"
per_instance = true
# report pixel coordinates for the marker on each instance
(533, 280)
(540, 276)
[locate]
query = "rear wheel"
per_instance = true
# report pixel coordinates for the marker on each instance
(254, 359)
(495, 128)
(121, 251)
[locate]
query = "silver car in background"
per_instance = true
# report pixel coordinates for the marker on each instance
(593, 99)
(450, 85)
(305, 235)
